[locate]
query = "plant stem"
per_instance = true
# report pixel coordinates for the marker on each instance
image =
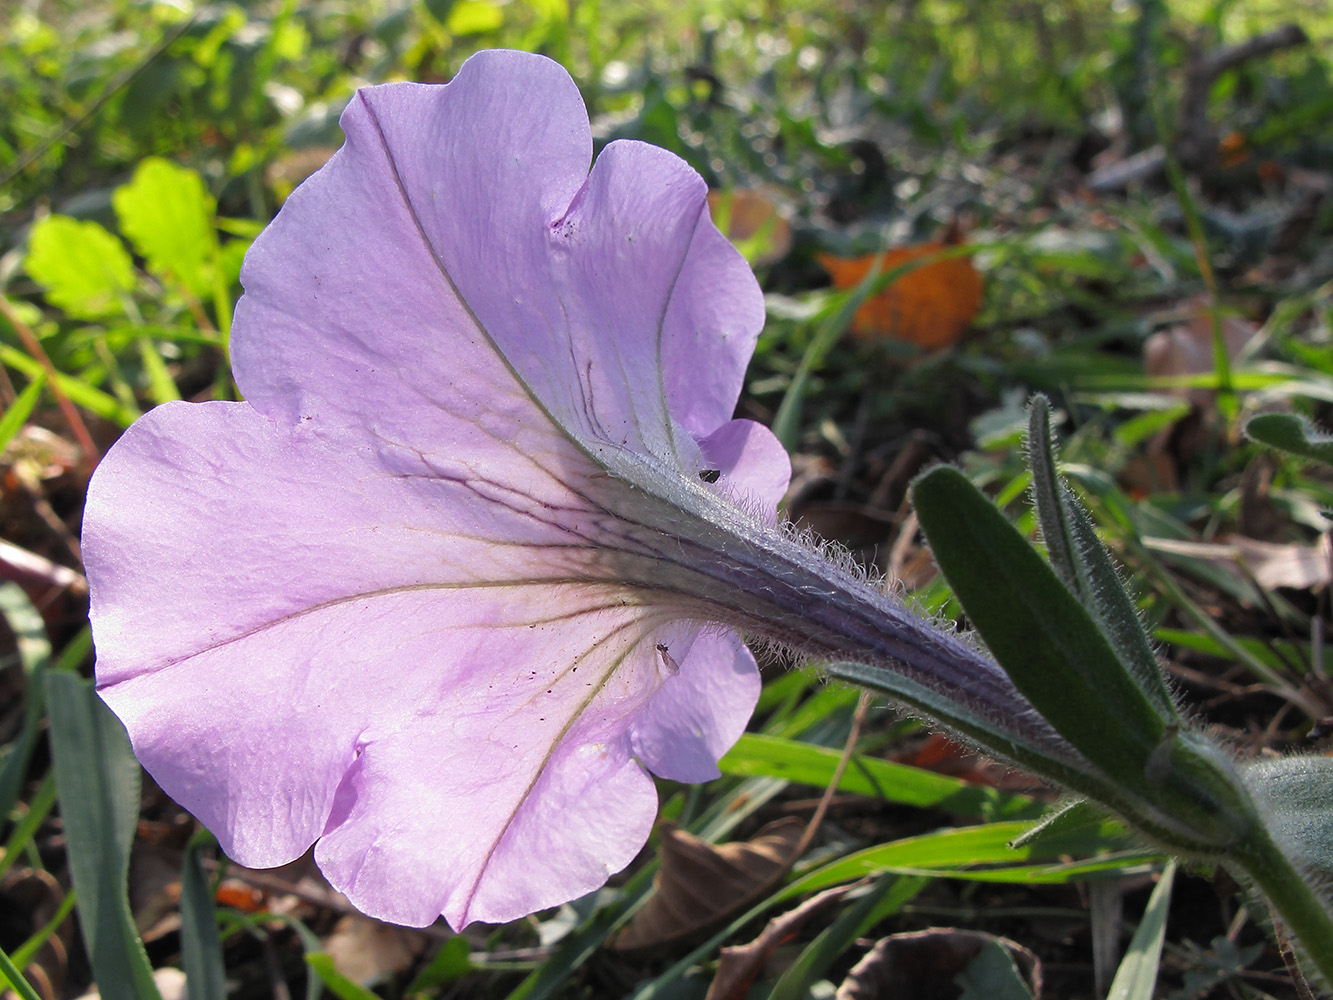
(1295, 903)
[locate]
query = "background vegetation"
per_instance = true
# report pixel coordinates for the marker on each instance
(1126, 206)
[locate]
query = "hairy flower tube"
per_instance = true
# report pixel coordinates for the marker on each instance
(474, 556)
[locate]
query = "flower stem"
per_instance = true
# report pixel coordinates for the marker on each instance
(1303, 914)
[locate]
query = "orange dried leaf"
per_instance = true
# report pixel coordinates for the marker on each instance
(930, 305)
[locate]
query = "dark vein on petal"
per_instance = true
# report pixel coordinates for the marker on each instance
(558, 741)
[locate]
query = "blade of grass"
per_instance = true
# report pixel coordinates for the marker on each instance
(43, 801)
(321, 964)
(34, 348)
(98, 781)
(26, 951)
(18, 412)
(78, 392)
(1137, 975)
(201, 945)
(34, 653)
(14, 979)
(757, 754)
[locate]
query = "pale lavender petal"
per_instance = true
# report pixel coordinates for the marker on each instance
(385, 604)
(273, 614)
(754, 469)
(699, 716)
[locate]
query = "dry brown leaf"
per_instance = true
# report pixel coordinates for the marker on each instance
(701, 884)
(29, 898)
(1271, 564)
(753, 221)
(922, 965)
(930, 305)
(738, 967)
(367, 951)
(1187, 348)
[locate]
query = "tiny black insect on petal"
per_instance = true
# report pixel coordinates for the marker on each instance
(709, 475)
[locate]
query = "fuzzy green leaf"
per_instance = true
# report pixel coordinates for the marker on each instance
(1290, 433)
(1081, 562)
(1046, 641)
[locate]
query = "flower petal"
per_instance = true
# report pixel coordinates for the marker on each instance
(386, 603)
(691, 722)
(753, 467)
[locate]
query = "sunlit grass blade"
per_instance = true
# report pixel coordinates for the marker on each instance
(18, 412)
(892, 782)
(34, 653)
(14, 979)
(1137, 975)
(38, 808)
(98, 781)
(25, 952)
(78, 392)
(956, 851)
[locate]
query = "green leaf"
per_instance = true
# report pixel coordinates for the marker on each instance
(472, 17)
(1295, 797)
(1080, 560)
(201, 946)
(1036, 628)
(1293, 434)
(958, 852)
(992, 975)
(451, 962)
(18, 412)
(167, 214)
(1137, 975)
(812, 765)
(84, 269)
(98, 779)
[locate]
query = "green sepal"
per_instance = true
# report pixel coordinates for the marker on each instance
(1081, 561)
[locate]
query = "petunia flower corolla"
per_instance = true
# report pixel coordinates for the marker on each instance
(469, 562)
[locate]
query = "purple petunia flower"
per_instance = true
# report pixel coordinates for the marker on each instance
(445, 588)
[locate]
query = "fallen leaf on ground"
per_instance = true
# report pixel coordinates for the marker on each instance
(922, 965)
(1187, 348)
(930, 305)
(738, 967)
(367, 951)
(1272, 564)
(701, 884)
